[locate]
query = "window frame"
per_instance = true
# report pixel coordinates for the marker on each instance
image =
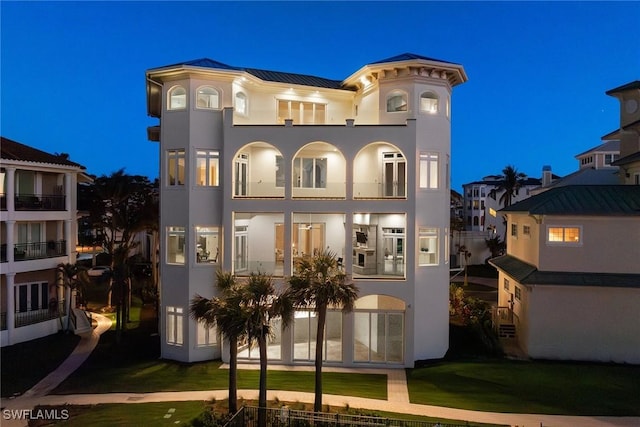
(205, 337)
(318, 116)
(564, 242)
(434, 107)
(174, 334)
(177, 155)
(298, 180)
(210, 158)
(173, 230)
(429, 234)
(397, 93)
(172, 97)
(427, 162)
(526, 230)
(217, 94)
(505, 284)
(514, 230)
(241, 96)
(212, 257)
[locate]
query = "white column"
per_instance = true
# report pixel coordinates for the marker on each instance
(70, 240)
(11, 309)
(11, 225)
(67, 192)
(11, 190)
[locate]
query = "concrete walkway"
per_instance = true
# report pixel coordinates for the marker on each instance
(397, 396)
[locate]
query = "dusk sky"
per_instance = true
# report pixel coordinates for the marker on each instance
(73, 73)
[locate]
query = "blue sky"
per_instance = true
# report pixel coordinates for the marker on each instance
(72, 73)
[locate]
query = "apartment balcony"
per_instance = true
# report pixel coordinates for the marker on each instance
(56, 309)
(37, 250)
(39, 202)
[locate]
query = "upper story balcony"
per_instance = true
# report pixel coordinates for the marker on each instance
(28, 190)
(39, 202)
(35, 250)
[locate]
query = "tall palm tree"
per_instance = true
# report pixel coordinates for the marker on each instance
(228, 314)
(263, 305)
(68, 278)
(510, 182)
(318, 284)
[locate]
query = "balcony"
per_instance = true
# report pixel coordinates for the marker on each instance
(38, 250)
(39, 202)
(55, 310)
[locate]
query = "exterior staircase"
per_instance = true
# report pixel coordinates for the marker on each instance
(80, 321)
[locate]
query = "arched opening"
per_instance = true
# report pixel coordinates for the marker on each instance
(387, 180)
(318, 170)
(379, 329)
(258, 171)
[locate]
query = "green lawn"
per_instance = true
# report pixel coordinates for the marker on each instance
(25, 364)
(529, 387)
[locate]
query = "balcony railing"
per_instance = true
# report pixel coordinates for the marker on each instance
(55, 310)
(39, 250)
(40, 202)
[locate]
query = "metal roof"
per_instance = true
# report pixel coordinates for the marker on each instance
(410, 57)
(593, 200)
(12, 150)
(606, 147)
(629, 86)
(528, 274)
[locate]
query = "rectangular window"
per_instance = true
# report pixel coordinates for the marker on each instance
(518, 293)
(429, 170)
(175, 167)
(208, 245)
(514, 230)
(564, 235)
(175, 317)
(446, 245)
(206, 337)
(428, 246)
(526, 230)
(301, 112)
(505, 284)
(175, 245)
(207, 168)
(310, 172)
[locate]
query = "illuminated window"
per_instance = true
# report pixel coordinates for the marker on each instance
(564, 235)
(429, 102)
(177, 98)
(207, 98)
(310, 173)
(301, 112)
(175, 245)
(175, 167)
(429, 170)
(208, 245)
(207, 168)
(241, 103)
(396, 102)
(175, 317)
(428, 246)
(206, 337)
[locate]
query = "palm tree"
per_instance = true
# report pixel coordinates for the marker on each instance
(68, 278)
(510, 181)
(229, 315)
(263, 305)
(318, 284)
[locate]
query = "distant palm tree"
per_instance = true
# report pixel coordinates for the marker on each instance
(68, 277)
(228, 313)
(263, 304)
(510, 182)
(318, 284)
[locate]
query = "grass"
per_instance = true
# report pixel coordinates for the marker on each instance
(25, 364)
(529, 387)
(183, 412)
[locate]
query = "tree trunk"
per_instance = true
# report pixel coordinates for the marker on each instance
(233, 375)
(262, 397)
(322, 317)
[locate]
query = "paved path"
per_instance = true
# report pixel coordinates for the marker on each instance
(397, 396)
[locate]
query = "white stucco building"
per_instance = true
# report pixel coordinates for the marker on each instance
(38, 232)
(261, 167)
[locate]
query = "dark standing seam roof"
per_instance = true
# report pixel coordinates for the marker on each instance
(410, 57)
(527, 274)
(602, 200)
(629, 86)
(12, 150)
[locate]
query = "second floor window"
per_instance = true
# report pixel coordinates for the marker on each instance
(241, 104)
(428, 242)
(429, 102)
(177, 98)
(396, 101)
(175, 167)
(310, 172)
(564, 235)
(429, 170)
(207, 98)
(301, 112)
(207, 168)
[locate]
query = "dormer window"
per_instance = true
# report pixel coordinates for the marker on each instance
(207, 98)
(241, 103)
(396, 101)
(429, 103)
(177, 98)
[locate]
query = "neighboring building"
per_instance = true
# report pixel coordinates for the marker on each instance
(482, 202)
(259, 168)
(561, 294)
(38, 214)
(569, 286)
(628, 133)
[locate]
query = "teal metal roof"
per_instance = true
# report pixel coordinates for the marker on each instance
(527, 274)
(593, 200)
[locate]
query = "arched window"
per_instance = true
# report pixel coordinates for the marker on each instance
(429, 102)
(177, 98)
(207, 98)
(241, 103)
(396, 101)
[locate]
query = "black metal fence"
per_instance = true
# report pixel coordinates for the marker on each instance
(54, 311)
(247, 416)
(40, 202)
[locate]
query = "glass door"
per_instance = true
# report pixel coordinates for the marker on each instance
(241, 171)
(241, 249)
(395, 176)
(393, 251)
